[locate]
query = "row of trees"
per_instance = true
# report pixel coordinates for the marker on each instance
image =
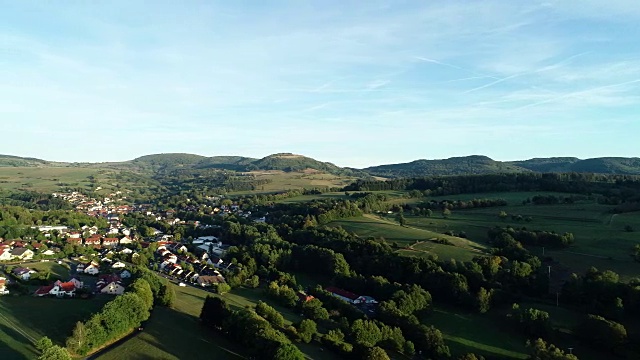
(533, 237)
(117, 318)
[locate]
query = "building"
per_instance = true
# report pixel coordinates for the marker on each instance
(22, 253)
(350, 297)
(3, 286)
(23, 273)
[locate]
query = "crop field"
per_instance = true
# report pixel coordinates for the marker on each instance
(176, 333)
(25, 319)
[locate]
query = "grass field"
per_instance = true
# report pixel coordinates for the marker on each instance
(280, 181)
(176, 333)
(25, 319)
(466, 333)
(45, 179)
(407, 236)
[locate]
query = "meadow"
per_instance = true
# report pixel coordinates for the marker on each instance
(44, 179)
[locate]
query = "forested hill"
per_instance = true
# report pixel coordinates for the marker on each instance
(484, 165)
(475, 164)
(453, 166)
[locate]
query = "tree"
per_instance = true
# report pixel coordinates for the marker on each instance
(365, 332)
(428, 213)
(78, 338)
(483, 300)
(222, 288)
(401, 219)
(43, 344)
(446, 213)
(602, 333)
(214, 312)
(253, 282)
(540, 350)
(288, 352)
(55, 352)
(503, 215)
(142, 288)
(306, 329)
(376, 353)
(50, 351)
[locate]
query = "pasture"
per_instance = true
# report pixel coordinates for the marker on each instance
(25, 319)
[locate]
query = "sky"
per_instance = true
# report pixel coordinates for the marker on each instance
(356, 83)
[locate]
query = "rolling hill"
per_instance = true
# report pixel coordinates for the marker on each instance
(288, 162)
(474, 164)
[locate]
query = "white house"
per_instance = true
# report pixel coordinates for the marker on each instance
(5, 255)
(112, 288)
(126, 251)
(48, 252)
(126, 240)
(92, 269)
(22, 254)
(118, 265)
(23, 273)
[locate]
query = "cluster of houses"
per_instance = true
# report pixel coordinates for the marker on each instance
(107, 284)
(171, 254)
(17, 253)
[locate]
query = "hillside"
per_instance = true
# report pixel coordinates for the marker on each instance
(554, 164)
(16, 161)
(474, 164)
(292, 163)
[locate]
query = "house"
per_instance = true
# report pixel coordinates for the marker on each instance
(118, 265)
(110, 241)
(350, 297)
(125, 274)
(74, 241)
(75, 235)
(3, 286)
(304, 297)
(126, 251)
(93, 240)
(61, 289)
(77, 283)
(207, 280)
(126, 240)
(91, 268)
(44, 290)
(48, 252)
(109, 284)
(5, 255)
(22, 253)
(23, 273)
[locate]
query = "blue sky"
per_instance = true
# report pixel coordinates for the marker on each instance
(356, 83)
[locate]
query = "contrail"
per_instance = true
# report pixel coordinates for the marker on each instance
(577, 93)
(454, 67)
(493, 83)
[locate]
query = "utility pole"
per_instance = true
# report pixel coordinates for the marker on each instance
(549, 271)
(570, 351)
(543, 251)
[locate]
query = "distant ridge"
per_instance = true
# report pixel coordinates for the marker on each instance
(289, 162)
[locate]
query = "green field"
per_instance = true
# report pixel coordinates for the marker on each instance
(176, 333)
(280, 181)
(601, 239)
(45, 179)
(407, 236)
(486, 335)
(25, 319)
